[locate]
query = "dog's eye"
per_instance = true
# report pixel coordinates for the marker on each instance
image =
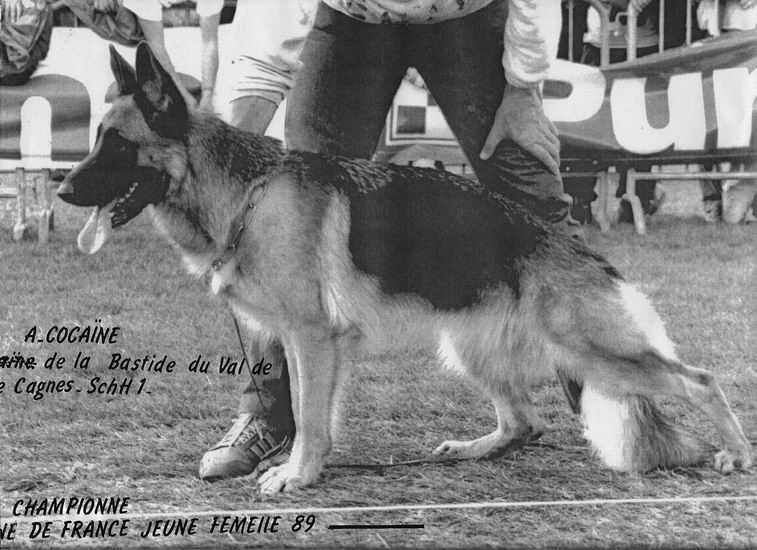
(117, 146)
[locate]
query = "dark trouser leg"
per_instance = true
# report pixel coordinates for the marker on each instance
(350, 73)
(268, 396)
(461, 62)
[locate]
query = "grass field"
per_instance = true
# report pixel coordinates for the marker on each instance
(147, 446)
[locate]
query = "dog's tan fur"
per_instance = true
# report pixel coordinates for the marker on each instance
(292, 278)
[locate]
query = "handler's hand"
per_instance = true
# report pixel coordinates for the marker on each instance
(521, 118)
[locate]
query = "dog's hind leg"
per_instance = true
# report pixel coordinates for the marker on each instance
(313, 356)
(517, 424)
(631, 434)
(703, 391)
(517, 420)
(626, 360)
(699, 387)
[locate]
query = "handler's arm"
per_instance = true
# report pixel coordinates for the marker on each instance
(532, 34)
(150, 18)
(210, 19)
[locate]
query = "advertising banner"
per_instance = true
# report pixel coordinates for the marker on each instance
(688, 103)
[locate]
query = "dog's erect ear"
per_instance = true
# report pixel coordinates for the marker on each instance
(158, 97)
(126, 78)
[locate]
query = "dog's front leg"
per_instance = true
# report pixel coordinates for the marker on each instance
(312, 358)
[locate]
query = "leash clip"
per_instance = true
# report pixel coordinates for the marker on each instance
(224, 258)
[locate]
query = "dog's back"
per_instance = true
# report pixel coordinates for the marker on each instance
(427, 232)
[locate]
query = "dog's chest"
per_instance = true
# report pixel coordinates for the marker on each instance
(220, 278)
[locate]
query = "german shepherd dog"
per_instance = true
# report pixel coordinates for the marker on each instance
(336, 257)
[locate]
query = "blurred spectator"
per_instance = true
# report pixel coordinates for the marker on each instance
(267, 37)
(150, 16)
(25, 33)
(647, 38)
(740, 196)
(739, 15)
(108, 20)
(727, 15)
(730, 200)
(648, 34)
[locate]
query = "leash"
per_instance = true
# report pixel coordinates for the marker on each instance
(429, 460)
(256, 196)
(258, 192)
(247, 362)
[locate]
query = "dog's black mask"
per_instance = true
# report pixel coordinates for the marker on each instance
(111, 174)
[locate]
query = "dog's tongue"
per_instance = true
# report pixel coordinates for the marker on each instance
(97, 230)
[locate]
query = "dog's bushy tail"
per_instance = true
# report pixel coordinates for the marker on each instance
(631, 434)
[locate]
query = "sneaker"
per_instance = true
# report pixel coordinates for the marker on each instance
(248, 447)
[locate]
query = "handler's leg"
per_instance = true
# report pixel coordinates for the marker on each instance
(252, 113)
(257, 90)
(350, 73)
(461, 63)
(262, 434)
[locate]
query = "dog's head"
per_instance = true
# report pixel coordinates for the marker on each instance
(139, 149)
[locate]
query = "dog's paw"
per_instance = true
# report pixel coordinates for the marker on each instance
(727, 461)
(285, 478)
(457, 450)
(494, 445)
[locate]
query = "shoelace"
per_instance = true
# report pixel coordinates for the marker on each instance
(239, 431)
(260, 451)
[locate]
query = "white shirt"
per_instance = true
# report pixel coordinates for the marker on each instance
(532, 30)
(646, 36)
(737, 18)
(272, 31)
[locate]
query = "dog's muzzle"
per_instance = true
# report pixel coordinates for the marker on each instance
(65, 190)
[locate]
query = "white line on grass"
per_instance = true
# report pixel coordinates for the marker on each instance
(397, 507)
